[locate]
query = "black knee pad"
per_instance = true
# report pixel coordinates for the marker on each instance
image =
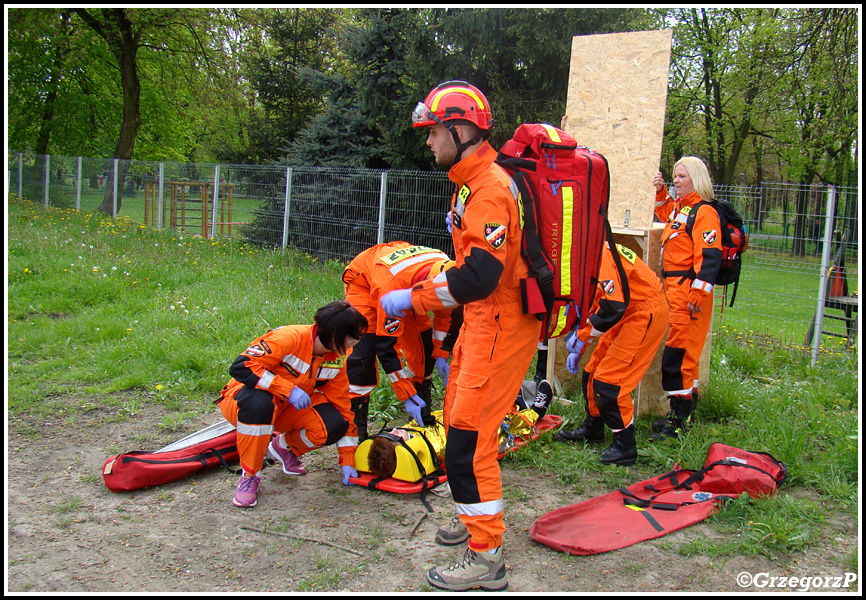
(672, 369)
(335, 425)
(459, 455)
(255, 406)
(361, 364)
(606, 395)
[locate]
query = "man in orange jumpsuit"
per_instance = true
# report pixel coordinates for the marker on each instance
(629, 317)
(497, 342)
(371, 274)
(292, 381)
(691, 264)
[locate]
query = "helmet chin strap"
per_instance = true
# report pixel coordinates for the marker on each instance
(461, 146)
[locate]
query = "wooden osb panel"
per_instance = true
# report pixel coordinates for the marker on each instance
(617, 89)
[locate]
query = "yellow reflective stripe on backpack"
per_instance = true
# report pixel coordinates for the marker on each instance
(560, 320)
(551, 132)
(567, 241)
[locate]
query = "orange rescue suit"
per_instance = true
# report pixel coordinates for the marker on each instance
(496, 343)
(690, 266)
(370, 275)
(255, 400)
(629, 335)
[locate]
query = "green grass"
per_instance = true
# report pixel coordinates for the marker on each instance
(112, 313)
(99, 306)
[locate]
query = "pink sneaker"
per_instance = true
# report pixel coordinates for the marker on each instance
(290, 463)
(247, 490)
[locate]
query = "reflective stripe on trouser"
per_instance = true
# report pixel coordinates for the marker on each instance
(305, 429)
(253, 412)
(686, 338)
(491, 358)
(621, 359)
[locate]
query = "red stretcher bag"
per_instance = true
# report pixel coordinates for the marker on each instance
(200, 451)
(655, 507)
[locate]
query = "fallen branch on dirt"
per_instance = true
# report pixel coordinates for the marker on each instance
(421, 517)
(303, 539)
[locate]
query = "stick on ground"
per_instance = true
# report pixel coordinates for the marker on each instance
(304, 539)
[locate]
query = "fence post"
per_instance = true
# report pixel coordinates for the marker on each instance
(160, 223)
(78, 187)
(825, 269)
(287, 211)
(216, 195)
(47, 177)
(114, 189)
(383, 191)
(20, 173)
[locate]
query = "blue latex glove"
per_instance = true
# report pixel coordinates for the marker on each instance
(299, 398)
(396, 303)
(575, 349)
(448, 221)
(348, 472)
(574, 345)
(444, 369)
(413, 409)
(572, 362)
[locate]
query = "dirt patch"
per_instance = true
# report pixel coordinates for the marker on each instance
(67, 532)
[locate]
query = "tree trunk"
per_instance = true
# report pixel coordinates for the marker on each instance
(116, 28)
(126, 50)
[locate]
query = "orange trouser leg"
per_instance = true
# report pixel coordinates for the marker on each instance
(491, 358)
(318, 425)
(621, 360)
(253, 412)
(686, 338)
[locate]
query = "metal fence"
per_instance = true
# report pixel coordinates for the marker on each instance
(799, 285)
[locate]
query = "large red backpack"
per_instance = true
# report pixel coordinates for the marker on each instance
(565, 191)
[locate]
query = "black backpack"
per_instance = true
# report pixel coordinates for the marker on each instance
(735, 240)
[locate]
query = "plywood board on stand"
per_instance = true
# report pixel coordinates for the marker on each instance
(617, 90)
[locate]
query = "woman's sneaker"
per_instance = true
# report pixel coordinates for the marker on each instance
(290, 463)
(247, 490)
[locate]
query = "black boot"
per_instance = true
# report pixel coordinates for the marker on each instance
(590, 431)
(623, 450)
(541, 366)
(425, 392)
(361, 407)
(677, 419)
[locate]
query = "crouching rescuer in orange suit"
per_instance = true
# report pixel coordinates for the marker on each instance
(629, 318)
(497, 341)
(691, 265)
(371, 274)
(292, 381)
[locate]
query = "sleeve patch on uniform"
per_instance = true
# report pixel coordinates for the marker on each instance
(463, 193)
(627, 253)
(709, 236)
(608, 286)
(495, 235)
(391, 326)
(255, 350)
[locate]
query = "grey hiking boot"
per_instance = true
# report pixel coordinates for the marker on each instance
(475, 570)
(453, 533)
